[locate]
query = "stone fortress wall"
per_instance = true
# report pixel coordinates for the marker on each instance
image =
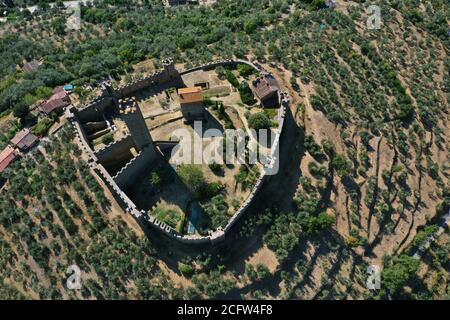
(131, 114)
(92, 112)
(133, 168)
(114, 150)
(167, 74)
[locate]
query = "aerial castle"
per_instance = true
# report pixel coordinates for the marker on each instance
(122, 161)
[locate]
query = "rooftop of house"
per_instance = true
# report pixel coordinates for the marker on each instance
(59, 99)
(53, 104)
(58, 93)
(189, 95)
(30, 66)
(6, 157)
(24, 139)
(265, 85)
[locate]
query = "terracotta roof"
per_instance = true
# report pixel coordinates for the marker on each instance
(52, 104)
(6, 157)
(24, 139)
(58, 93)
(59, 99)
(189, 90)
(189, 95)
(265, 86)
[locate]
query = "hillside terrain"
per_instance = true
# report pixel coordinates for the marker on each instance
(364, 172)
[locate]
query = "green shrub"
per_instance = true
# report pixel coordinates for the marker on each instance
(41, 128)
(399, 271)
(192, 176)
(259, 120)
(262, 271)
(215, 167)
(341, 165)
(246, 94)
(317, 4)
(107, 138)
(168, 216)
(245, 70)
(210, 190)
(250, 271)
(242, 174)
(232, 78)
(271, 112)
(21, 111)
(247, 177)
(317, 171)
(221, 72)
(219, 110)
(155, 180)
(422, 236)
(185, 269)
(311, 224)
(313, 148)
(217, 210)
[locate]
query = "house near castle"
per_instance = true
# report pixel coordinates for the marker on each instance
(191, 101)
(266, 89)
(56, 102)
(30, 66)
(8, 155)
(24, 140)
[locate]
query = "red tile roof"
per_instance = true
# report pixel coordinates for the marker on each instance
(24, 139)
(189, 95)
(59, 99)
(265, 86)
(51, 105)
(6, 157)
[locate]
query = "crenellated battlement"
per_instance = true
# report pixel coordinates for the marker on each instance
(94, 109)
(131, 171)
(111, 145)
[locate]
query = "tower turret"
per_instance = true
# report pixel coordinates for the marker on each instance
(131, 114)
(169, 68)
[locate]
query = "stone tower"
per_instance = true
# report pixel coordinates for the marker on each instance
(107, 88)
(169, 69)
(133, 170)
(131, 114)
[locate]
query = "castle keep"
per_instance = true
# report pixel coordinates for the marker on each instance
(191, 102)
